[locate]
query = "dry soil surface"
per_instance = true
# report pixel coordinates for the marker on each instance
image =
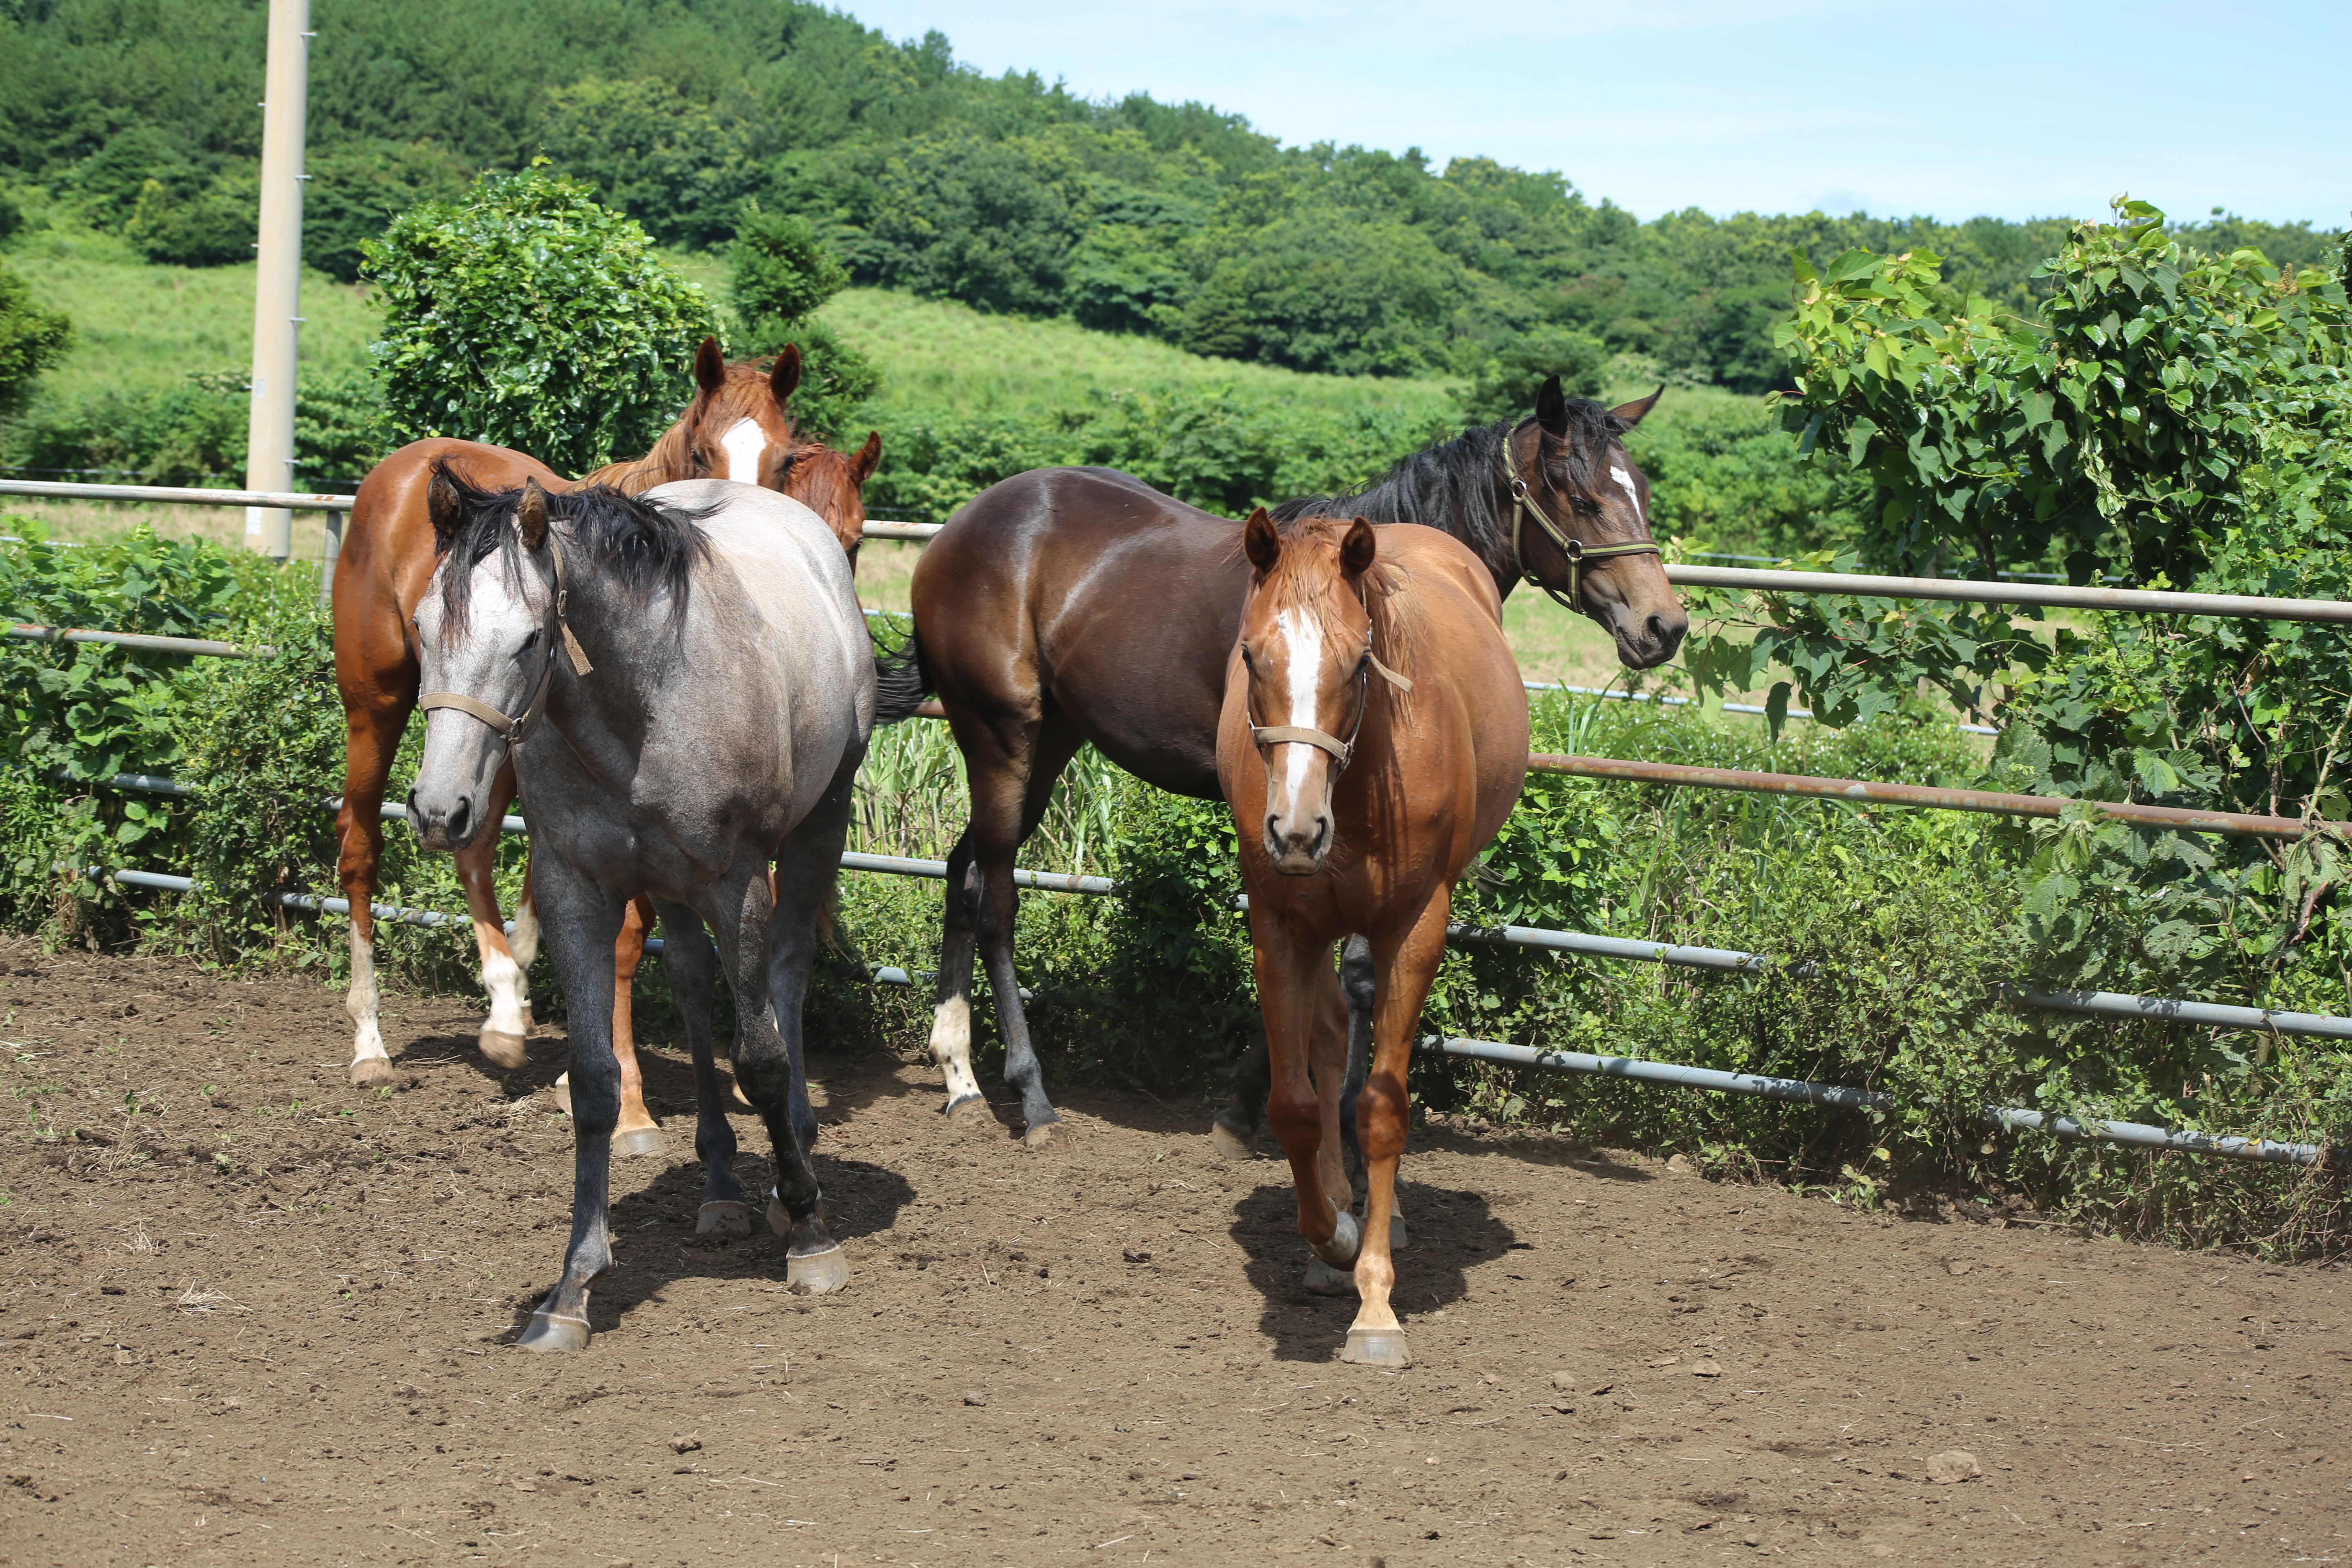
(250, 1316)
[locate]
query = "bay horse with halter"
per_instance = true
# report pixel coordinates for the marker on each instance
(736, 427)
(684, 683)
(1069, 605)
(1373, 740)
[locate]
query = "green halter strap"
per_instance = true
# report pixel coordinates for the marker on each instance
(1523, 507)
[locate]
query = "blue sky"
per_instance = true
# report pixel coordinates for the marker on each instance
(2006, 108)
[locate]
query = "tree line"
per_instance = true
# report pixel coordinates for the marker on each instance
(1008, 192)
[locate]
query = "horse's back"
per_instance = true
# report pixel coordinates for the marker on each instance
(1089, 589)
(791, 608)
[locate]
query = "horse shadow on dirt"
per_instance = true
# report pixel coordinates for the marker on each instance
(1451, 1231)
(655, 1198)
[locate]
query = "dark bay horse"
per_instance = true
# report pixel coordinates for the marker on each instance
(684, 684)
(1068, 605)
(736, 427)
(1373, 740)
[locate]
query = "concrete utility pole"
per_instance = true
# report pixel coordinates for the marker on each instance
(278, 280)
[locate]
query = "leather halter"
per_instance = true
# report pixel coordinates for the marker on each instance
(1264, 735)
(557, 633)
(1523, 507)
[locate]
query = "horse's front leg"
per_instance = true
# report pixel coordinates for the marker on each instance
(692, 966)
(1406, 959)
(1287, 964)
(1357, 980)
(740, 910)
(508, 1025)
(581, 921)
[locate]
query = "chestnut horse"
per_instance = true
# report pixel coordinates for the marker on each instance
(1373, 740)
(1068, 605)
(736, 427)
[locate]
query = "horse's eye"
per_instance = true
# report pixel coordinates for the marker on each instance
(530, 642)
(1248, 662)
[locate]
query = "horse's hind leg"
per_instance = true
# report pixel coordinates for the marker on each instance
(1407, 962)
(951, 1019)
(691, 965)
(1016, 801)
(808, 865)
(1327, 1049)
(741, 912)
(1355, 978)
(508, 1025)
(638, 1133)
(582, 920)
(370, 738)
(1235, 1131)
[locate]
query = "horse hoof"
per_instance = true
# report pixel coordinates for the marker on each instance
(1325, 1280)
(816, 1273)
(1045, 1135)
(636, 1142)
(504, 1050)
(1232, 1144)
(563, 1094)
(724, 1217)
(1347, 1239)
(372, 1072)
(1375, 1347)
(970, 1112)
(547, 1332)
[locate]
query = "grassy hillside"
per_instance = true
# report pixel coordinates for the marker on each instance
(139, 326)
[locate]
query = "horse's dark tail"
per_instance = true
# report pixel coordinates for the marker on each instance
(899, 683)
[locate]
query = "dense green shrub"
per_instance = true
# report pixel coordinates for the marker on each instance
(356, 189)
(780, 273)
(991, 223)
(677, 166)
(196, 430)
(530, 316)
(31, 340)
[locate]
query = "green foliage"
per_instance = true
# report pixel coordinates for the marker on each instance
(356, 188)
(531, 317)
(669, 162)
(196, 430)
(31, 340)
(991, 223)
(780, 274)
(1506, 388)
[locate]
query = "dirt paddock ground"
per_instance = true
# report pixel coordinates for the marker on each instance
(249, 1316)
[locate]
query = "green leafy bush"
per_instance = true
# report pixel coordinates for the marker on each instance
(529, 316)
(31, 340)
(356, 188)
(780, 272)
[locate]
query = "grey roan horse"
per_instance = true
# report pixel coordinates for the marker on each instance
(687, 688)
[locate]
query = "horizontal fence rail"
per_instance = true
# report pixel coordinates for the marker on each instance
(1860, 584)
(27, 633)
(2142, 601)
(1866, 791)
(1587, 944)
(2136, 1134)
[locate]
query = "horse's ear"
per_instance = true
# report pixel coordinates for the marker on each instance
(1629, 414)
(709, 366)
(443, 505)
(530, 515)
(786, 374)
(1357, 548)
(1551, 407)
(868, 458)
(1261, 542)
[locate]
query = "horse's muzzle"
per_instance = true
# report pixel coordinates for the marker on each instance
(1297, 849)
(446, 826)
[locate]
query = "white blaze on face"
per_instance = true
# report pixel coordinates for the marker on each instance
(744, 441)
(1304, 640)
(1625, 481)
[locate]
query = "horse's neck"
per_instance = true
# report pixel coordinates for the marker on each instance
(635, 476)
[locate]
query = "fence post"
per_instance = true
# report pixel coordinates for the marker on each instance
(277, 276)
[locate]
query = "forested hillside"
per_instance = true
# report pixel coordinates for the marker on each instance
(138, 117)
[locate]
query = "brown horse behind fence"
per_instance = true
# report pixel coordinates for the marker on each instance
(1374, 739)
(736, 427)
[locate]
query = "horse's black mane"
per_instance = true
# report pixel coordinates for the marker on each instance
(649, 548)
(1451, 485)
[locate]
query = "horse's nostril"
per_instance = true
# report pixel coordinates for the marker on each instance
(459, 817)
